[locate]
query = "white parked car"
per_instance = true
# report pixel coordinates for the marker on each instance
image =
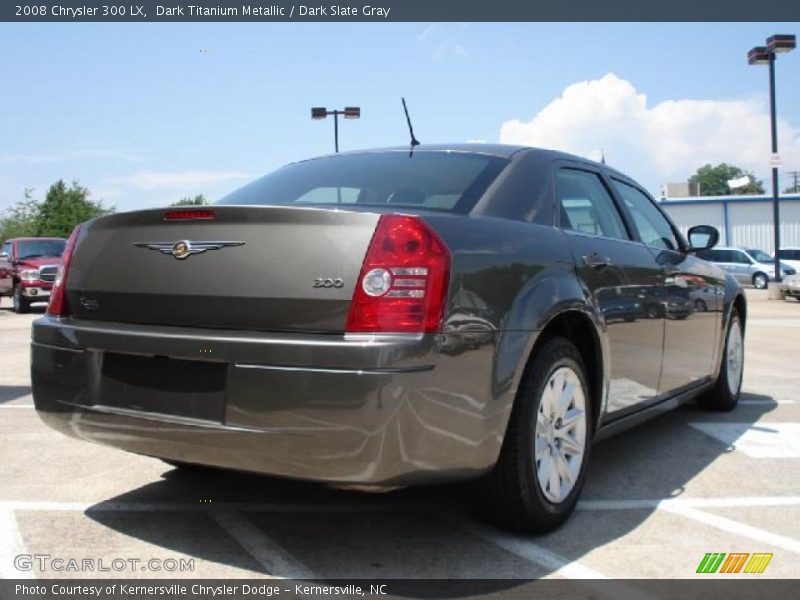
(790, 256)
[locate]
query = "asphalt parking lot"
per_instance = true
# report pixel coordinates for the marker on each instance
(657, 498)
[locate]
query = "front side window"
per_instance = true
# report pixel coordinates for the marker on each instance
(586, 205)
(740, 257)
(760, 256)
(653, 227)
(446, 181)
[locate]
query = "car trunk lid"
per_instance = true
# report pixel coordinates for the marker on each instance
(235, 267)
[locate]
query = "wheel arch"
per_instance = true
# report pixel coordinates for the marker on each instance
(756, 274)
(581, 329)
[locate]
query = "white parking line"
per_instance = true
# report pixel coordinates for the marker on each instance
(731, 526)
(10, 546)
(524, 548)
(16, 405)
(269, 554)
(734, 502)
(757, 440)
(767, 402)
(774, 322)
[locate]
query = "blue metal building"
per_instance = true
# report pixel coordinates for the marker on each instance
(741, 220)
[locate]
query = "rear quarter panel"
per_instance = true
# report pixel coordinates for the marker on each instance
(508, 279)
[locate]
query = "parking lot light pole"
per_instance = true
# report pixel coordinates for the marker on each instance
(766, 55)
(349, 112)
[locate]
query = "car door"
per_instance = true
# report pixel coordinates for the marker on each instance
(5, 268)
(690, 333)
(622, 279)
(743, 267)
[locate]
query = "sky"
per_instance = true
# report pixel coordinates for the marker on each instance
(145, 114)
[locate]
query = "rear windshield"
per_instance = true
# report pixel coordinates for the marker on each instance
(40, 249)
(443, 181)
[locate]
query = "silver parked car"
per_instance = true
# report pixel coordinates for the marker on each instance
(791, 287)
(748, 265)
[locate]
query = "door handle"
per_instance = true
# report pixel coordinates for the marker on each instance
(595, 261)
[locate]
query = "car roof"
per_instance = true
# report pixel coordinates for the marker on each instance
(34, 239)
(498, 150)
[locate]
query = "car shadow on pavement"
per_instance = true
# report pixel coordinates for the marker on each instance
(9, 393)
(420, 532)
(36, 309)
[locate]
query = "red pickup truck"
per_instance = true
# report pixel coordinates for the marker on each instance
(28, 269)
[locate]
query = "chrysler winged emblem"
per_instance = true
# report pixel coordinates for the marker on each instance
(185, 248)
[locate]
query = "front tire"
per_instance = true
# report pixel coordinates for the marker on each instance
(535, 485)
(760, 281)
(20, 302)
(725, 394)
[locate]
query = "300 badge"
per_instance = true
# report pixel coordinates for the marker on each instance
(328, 282)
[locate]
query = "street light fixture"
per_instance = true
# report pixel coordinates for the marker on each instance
(349, 112)
(766, 55)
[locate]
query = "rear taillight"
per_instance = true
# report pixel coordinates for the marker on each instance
(57, 307)
(403, 281)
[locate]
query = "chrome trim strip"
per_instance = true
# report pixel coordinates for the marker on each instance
(52, 347)
(161, 417)
(335, 370)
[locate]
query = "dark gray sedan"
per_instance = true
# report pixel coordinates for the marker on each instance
(460, 312)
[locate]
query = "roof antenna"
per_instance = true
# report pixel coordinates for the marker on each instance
(602, 156)
(414, 141)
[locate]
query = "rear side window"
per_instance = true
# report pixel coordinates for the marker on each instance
(446, 181)
(586, 206)
(653, 227)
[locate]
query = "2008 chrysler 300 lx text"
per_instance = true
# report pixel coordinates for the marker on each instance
(389, 317)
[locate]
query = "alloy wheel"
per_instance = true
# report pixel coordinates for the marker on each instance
(560, 439)
(734, 356)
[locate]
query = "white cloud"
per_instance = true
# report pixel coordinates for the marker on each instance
(148, 180)
(656, 144)
(443, 41)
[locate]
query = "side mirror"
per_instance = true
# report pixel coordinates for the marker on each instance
(702, 237)
(3, 255)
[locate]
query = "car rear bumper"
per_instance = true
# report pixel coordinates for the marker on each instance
(365, 409)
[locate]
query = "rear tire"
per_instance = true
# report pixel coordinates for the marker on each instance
(760, 281)
(551, 423)
(725, 394)
(20, 302)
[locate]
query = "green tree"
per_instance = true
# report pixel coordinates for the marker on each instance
(20, 219)
(713, 180)
(198, 200)
(64, 207)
